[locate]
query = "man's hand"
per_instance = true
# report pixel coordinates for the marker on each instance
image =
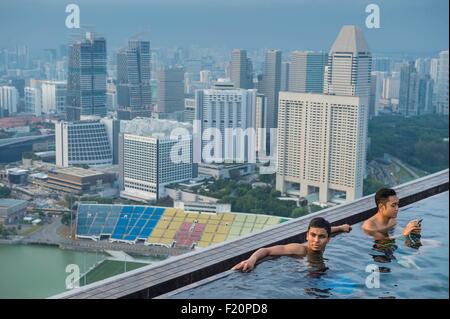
(245, 266)
(412, 227)
(346, 228)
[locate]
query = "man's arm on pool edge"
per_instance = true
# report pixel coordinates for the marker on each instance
(279, 250)
(344, 228)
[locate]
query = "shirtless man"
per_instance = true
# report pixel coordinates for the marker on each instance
(318, 235)
(385, 219)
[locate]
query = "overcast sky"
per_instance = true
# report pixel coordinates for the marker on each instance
(413, 26)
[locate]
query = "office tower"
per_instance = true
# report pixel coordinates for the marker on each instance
(19, 84)
(205, 77)
(425, 96)
(349, 70)
(306, 72)
(193, 68)
(133, 76)
(145, 159)
(409, 86)
(111, 95)
(22, 57)
(261, 123)
(225, 108)
(442, 84)
(33, 100)
(391, 87)
(241, 69)
(189, 111)
(349, 65)
(53, 96)
(376, 92)
(382, 64)
(284, 84)
(423, 66)
(82, 142)
(434, 65)
(271, 85)
(9, 98)
(322, 137)
(259, 84)
(171, 90)
(321, 146)
(86, 83)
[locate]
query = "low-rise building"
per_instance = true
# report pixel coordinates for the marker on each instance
(12, 210)
(78, 180)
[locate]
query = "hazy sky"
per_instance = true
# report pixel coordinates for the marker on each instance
(413, 26)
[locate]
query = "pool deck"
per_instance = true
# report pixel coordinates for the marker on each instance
(172, 274)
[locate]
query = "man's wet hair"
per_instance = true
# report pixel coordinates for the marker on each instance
(320, 222)
(382, 196)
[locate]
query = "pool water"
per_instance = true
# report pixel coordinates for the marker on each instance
(402, 269)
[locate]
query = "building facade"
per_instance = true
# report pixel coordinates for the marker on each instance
(146, 158)
(82, 142)
(86, 83)
(306, 71)
(321, 145)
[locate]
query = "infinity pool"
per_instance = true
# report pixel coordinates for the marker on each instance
(404, 269)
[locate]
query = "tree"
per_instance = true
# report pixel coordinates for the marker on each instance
(371, 186)
(4, 192)
(299, 211)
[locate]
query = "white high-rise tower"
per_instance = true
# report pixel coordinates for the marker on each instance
(322, 137)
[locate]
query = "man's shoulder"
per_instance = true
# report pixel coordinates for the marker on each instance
(369, 223)
(297, 249)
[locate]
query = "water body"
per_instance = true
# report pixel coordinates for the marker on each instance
(31, 271)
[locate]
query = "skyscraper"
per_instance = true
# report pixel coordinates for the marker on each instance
(409, 90)
(225, 108)
(425, 96)
(376, 92)
(133, 76)
(321, 146)
(284, 82)
(86, 84)
(53, 96)
(349, 65)
(349, 71)
(271, 85)
(322, 137)
(171, 90)
(442, 84)
(306, 72)
(9, 98)
(241, 69)
(33, 100)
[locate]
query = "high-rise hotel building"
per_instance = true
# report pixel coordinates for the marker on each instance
(146, 157)
(322, 137)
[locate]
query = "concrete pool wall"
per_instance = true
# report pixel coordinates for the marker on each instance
(177, 272)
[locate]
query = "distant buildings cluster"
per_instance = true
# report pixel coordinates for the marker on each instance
(318, 103)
